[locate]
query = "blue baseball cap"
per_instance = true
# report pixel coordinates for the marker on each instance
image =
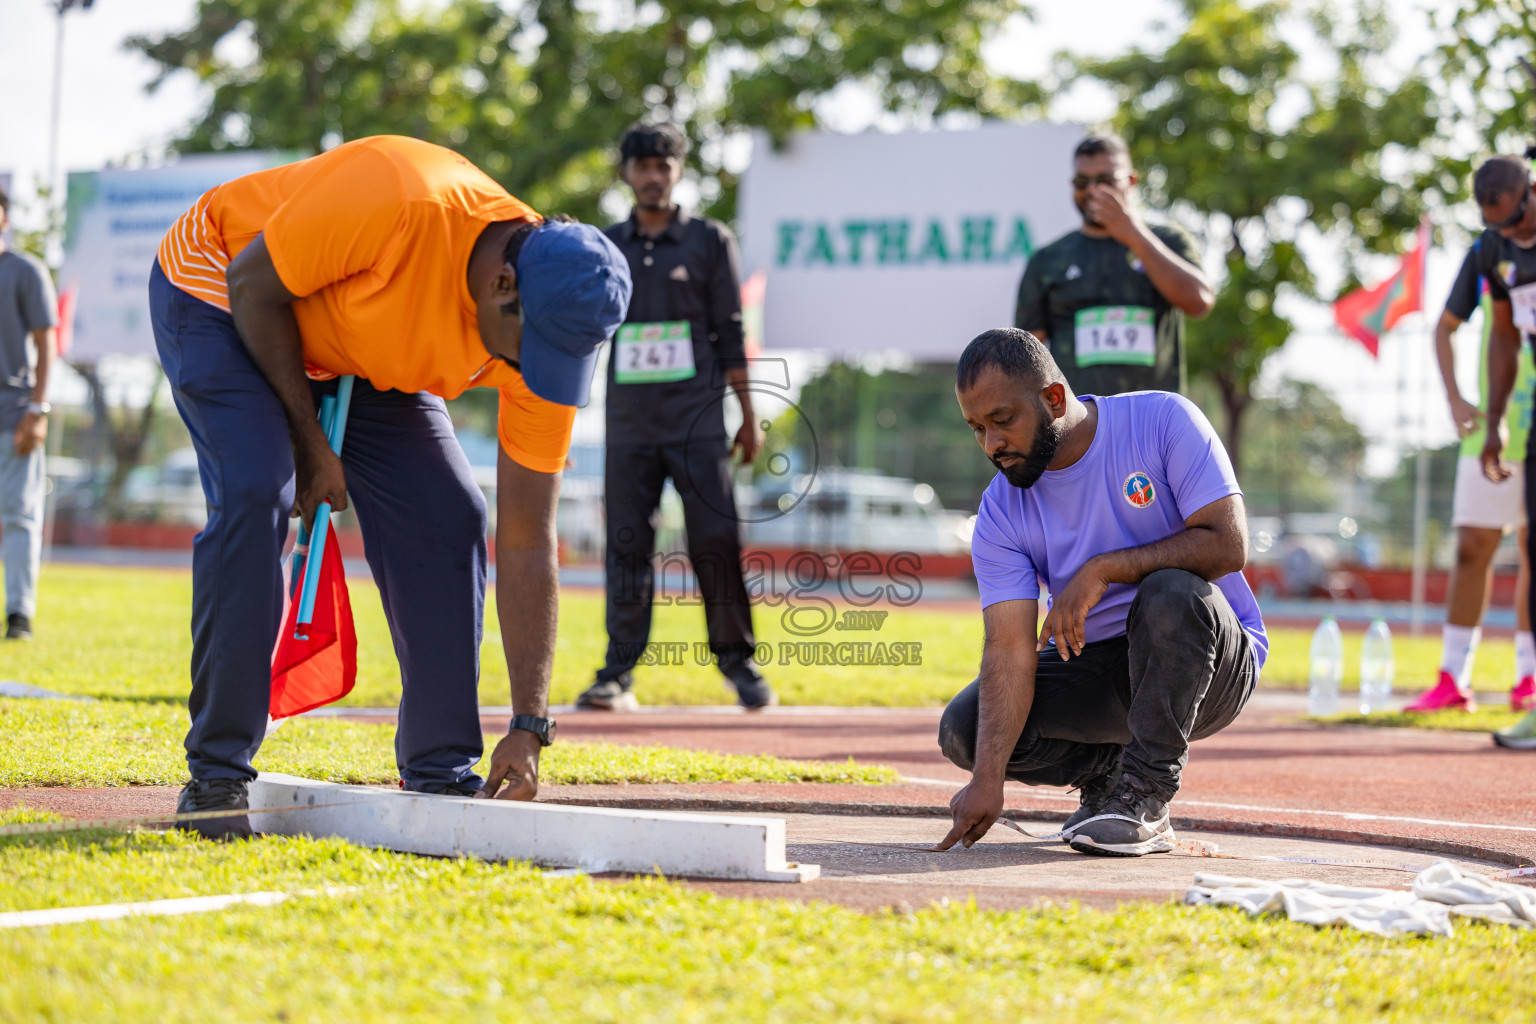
(575, 288)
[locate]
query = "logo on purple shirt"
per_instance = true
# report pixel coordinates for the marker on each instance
(1138, 490)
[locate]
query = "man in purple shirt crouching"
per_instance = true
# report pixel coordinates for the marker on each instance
(1127, 510)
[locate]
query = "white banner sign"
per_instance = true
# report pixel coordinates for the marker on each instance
(113, 225)
(913, 241)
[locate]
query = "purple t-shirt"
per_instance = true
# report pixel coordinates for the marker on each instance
(1154, 461)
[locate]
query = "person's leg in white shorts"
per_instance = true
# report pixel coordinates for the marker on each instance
(1482, 512)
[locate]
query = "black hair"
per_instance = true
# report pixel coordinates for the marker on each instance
(5, 201)
(646, 139)
(514, 250)
(1498, 177)
(1017, 353)
(1093, 145)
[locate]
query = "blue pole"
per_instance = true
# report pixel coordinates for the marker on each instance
(301, 543)
(313, 560)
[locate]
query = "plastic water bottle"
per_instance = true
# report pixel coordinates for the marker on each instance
(1376, 668)
(1326, 668)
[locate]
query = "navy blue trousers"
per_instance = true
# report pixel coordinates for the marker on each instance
(423, 524)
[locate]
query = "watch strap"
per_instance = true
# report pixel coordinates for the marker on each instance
(543, 728)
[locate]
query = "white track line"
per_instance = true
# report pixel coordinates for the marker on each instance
(152, 908)
(1347, 815)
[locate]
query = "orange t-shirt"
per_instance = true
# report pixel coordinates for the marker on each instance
(374, 237)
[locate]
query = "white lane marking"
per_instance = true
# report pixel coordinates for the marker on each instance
(153, 908)
(1347, 815)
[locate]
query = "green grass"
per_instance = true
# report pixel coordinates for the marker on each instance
(1416, 660)
(457, 940)
(121, 743)
(124, 633)
(1487, 718)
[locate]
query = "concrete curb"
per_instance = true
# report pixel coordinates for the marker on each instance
(592, 838)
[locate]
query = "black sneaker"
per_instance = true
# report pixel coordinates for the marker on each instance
(1092, 795)
(752, 691)
(440, 788)
(1131, 822)
(215, 795)
(18, 627)
(609, 695)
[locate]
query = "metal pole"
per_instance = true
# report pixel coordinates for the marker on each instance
(58, 90)
(1420, 529)
(1421, 492)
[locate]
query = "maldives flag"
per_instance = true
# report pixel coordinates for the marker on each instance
(1367, 313)
(308, 674)
(66, 334)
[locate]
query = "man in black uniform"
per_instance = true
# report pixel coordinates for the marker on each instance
(682, 342)
(1109, 300)
(1507, 261)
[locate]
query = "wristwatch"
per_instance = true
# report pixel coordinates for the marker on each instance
(543, 728)
(39, 408)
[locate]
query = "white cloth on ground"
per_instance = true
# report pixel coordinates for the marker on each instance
(1439, 891)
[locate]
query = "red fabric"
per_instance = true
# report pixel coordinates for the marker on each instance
(1365, 314)
(308, 674)
(66, 319)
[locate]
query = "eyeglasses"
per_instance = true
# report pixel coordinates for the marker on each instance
(1514, 218)
(1082, 181)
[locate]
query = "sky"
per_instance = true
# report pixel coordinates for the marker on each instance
(106, 116)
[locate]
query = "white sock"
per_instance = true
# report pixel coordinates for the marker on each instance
(1525, 655)
(1459, 646)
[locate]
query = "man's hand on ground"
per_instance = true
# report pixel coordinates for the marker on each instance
(1066, 622)
(975, 807)
(31, 433)
(319, 478)
(515, 762)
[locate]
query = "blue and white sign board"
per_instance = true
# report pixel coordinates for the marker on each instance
(113, 225)
(911, 241)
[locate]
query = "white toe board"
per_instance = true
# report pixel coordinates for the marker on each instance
(593, 838)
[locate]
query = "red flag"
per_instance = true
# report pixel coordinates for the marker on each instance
(1366, 314)
(307, 674)
(66, 319)
(753, 291)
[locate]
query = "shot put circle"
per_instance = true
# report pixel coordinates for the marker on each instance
(771, 404)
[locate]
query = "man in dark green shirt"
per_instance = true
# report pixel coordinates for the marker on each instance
(1109, 300)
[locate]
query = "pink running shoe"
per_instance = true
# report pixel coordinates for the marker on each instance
(1446, 696)
(1523, 696)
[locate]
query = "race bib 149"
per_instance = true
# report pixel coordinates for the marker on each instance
(1116, 334)
(653, 353)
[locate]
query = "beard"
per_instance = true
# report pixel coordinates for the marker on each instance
(1082, 208)
(1023, 473)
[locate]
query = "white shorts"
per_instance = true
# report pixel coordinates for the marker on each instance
(1481, 502)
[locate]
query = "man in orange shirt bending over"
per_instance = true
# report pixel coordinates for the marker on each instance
(401, 263)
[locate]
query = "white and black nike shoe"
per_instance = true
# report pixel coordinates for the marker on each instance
(1131, 822)
(1091, 796)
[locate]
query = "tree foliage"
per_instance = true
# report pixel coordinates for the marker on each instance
(1479, 63)
(1235, 139)
(538, 93)
(902, 423)
(1298, 447)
